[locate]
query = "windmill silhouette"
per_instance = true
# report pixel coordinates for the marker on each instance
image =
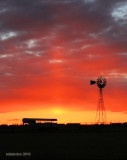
(100, 113)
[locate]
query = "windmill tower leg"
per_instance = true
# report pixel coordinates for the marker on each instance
(100, 113)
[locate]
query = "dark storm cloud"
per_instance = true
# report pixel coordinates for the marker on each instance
(73, 24)
(32, 18)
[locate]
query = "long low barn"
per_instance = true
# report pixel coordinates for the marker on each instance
(33, 120)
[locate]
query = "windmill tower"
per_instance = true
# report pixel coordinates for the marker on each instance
(100, 113)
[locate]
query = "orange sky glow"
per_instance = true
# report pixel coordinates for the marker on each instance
(49, 54)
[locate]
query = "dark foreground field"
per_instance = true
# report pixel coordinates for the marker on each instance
(64, 145)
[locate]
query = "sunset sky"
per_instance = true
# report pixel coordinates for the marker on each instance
(49, 52)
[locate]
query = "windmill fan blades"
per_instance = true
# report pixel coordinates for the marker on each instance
(101, 82)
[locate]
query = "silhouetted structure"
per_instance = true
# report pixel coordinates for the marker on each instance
(100, 114)
(32, 121)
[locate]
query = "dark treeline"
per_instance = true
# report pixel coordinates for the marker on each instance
(70, 127)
